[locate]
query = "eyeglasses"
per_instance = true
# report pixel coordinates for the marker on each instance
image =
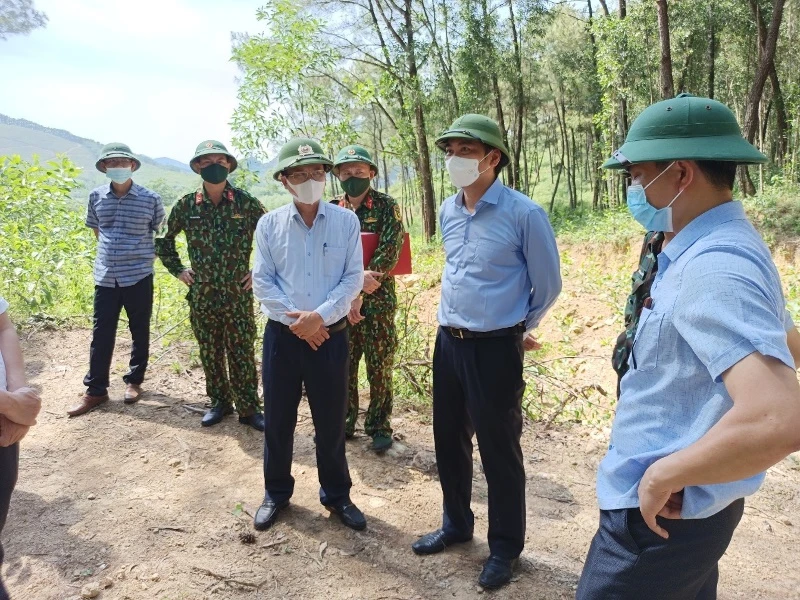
(117, 162)
(299, 177)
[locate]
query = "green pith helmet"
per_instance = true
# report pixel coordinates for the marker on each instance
(116, 150)
(353, 153)
(212, 147)
(685, 128)
(300, 151)
(476, 127)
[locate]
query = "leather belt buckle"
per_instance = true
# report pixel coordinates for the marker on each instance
(459, 333)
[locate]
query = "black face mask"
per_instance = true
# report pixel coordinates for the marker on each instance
(214, 173)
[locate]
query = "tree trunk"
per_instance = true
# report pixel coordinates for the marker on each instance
(667, 85)
(519, 101)
(781, 119)
(424, 176)
(711, 55)
(757, 89)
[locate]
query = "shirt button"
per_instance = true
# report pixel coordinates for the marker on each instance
(309, 254)
(309, 295)
(309, 274)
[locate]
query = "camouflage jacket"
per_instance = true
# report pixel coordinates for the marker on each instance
(219, 238)
(642, 281)
(379, 213)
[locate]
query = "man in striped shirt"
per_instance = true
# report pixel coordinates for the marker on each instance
(124, 217)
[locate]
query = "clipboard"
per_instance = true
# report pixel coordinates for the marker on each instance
(369, 242)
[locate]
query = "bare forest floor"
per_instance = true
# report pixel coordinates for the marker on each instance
(144, 502)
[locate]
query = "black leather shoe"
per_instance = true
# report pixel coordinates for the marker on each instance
(436, 541)
(497, 572)
(349, 514)
(215, 415)
(256, 421)
(267, 513)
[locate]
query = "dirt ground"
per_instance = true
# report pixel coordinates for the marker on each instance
(143, 503)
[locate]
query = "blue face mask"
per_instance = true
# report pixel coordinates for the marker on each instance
(119, 174)
(647, 215)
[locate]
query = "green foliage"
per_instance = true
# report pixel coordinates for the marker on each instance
(46, 254)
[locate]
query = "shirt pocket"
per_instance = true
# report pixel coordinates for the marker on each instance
(497, 253)
(644, 354)
(333, 259)
(136, 224)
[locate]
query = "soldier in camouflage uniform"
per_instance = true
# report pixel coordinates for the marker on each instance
(373, 331)
(642, 281)
(219, 221)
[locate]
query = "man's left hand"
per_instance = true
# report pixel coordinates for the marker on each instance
(307, 323)
(658, 497)
(10, 432)
(247, 281)
(530, 343)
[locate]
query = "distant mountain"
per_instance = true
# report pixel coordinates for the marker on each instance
(171, 162)
(167, 176)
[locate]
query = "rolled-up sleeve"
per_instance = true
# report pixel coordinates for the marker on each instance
(727, 309)
(337, 303)
(544, 266)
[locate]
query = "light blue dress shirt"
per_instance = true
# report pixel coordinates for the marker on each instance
(298, 268)
(717, 298)
(502, 265)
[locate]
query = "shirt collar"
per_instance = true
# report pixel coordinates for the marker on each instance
(201, 193)
(701, 225)
(320, 211)
(490, 196)
(131, 192)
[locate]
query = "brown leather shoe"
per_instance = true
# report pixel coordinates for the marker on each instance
(132, 393)
(86, 404)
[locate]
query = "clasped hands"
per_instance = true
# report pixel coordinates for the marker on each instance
(19, 412)
(310, 327)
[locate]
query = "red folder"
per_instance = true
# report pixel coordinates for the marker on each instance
(369, 241)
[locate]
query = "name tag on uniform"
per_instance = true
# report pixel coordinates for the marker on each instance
(238, 216)
(194, 218)
(371, 220)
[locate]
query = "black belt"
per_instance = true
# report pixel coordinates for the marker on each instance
(466, 334)
(335, 328)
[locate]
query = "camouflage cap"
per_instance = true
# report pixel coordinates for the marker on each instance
(353, 153)
(300, 151)
(476, 127)
(212, 147)
(685, 128)
(116, 150)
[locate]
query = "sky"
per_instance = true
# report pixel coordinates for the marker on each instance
(154, 74)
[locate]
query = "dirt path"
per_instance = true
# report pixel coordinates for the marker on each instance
(146, 499)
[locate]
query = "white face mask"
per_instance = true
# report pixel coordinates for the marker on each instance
(464, 171)
(308, 192)
(119, 174)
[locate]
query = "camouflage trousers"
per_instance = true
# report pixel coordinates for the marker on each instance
(225, 327)
(375, 338)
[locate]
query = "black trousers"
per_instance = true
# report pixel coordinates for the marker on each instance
(288, 363)
(478, 388)
(627, 561)
(137, 300)
(9, 465)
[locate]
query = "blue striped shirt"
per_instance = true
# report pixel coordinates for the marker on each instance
(125, 250)
(298, 268)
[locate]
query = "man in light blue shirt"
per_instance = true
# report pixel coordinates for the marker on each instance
(308, 269)
(711, 398)
(501, 276)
